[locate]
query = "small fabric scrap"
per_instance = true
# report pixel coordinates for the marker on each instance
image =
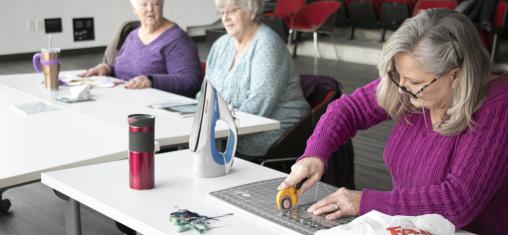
(184, 220)
(376, 222)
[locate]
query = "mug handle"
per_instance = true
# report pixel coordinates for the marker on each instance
(36, 62)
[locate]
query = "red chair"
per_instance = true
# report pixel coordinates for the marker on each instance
(394, 13)
(310, 19)
(203, 68)
(286, 9)
(428, 4)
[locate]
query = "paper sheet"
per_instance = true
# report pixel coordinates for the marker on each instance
(33, 107)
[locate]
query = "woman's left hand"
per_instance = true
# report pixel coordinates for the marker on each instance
(138, 82)
(343, 202)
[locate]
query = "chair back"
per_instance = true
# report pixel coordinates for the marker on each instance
(428, 4)
(409, 3)
(285, 9)
(276, 24)
(319, 91)
(375, 3)
(203, 68)
(498, 22)
(395, 12)
(489, 38)
(364, 13)
(118, 40)
(316, 13)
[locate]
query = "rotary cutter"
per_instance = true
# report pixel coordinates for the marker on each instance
(288, 198)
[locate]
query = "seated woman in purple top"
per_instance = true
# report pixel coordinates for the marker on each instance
(448, 151)
(158, 54)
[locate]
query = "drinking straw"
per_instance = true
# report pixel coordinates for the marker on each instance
(49, 45)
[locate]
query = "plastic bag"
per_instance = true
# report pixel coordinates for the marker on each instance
(376, 222)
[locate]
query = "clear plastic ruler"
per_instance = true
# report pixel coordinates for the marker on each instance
(258, 198)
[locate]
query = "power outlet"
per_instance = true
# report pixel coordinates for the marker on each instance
(83, 29)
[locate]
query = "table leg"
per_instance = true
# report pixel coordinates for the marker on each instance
(72, 214)
(5, 204)
(72, 218)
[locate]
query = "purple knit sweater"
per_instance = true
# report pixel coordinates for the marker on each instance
(462, 177)
(171, 59)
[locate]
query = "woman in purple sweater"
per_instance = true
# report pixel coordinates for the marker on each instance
(158, 54)
(448, 151)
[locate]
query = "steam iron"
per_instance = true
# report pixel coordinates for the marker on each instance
(208, 161)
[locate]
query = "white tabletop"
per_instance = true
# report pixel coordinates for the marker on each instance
(56, 139)
(113, 105)
(106, 190)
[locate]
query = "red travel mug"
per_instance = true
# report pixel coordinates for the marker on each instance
(141, 151)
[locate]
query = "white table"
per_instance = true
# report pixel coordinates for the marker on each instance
(113, 105)
(106, 190)
(35, 143)
(88, 132)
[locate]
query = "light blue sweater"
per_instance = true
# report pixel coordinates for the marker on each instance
(262, 82)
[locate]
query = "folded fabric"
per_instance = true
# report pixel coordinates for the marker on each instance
(80, 92)
(376, 222)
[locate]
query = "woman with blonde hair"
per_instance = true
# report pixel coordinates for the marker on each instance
(158, 54)
(252, 69)
(448, 151)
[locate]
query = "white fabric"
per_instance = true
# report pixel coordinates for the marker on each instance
(80, 92)
(376, 222)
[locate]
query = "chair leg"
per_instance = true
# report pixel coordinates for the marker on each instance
(315, 66)
(494, 48)
(334, 44)
(383, 34)
(316, 46)
(295, 43)
(352, 35)
(290, 37)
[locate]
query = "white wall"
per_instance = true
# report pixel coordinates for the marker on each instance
(15, 36)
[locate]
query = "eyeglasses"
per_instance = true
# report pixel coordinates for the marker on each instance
(392, 74)
(227, 12)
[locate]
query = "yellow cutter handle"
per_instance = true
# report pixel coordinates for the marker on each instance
(287, 198)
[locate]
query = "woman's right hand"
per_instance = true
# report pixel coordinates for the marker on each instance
(309, 167)
(99, 70)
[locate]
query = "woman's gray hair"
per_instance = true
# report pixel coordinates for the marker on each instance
(440, 40)
(135, 2)
(255, 7)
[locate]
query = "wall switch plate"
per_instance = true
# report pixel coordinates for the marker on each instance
(83, 29)
(39, 24)
(53, 25)
(30, 25)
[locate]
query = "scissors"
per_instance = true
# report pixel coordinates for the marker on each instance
(288, 198)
